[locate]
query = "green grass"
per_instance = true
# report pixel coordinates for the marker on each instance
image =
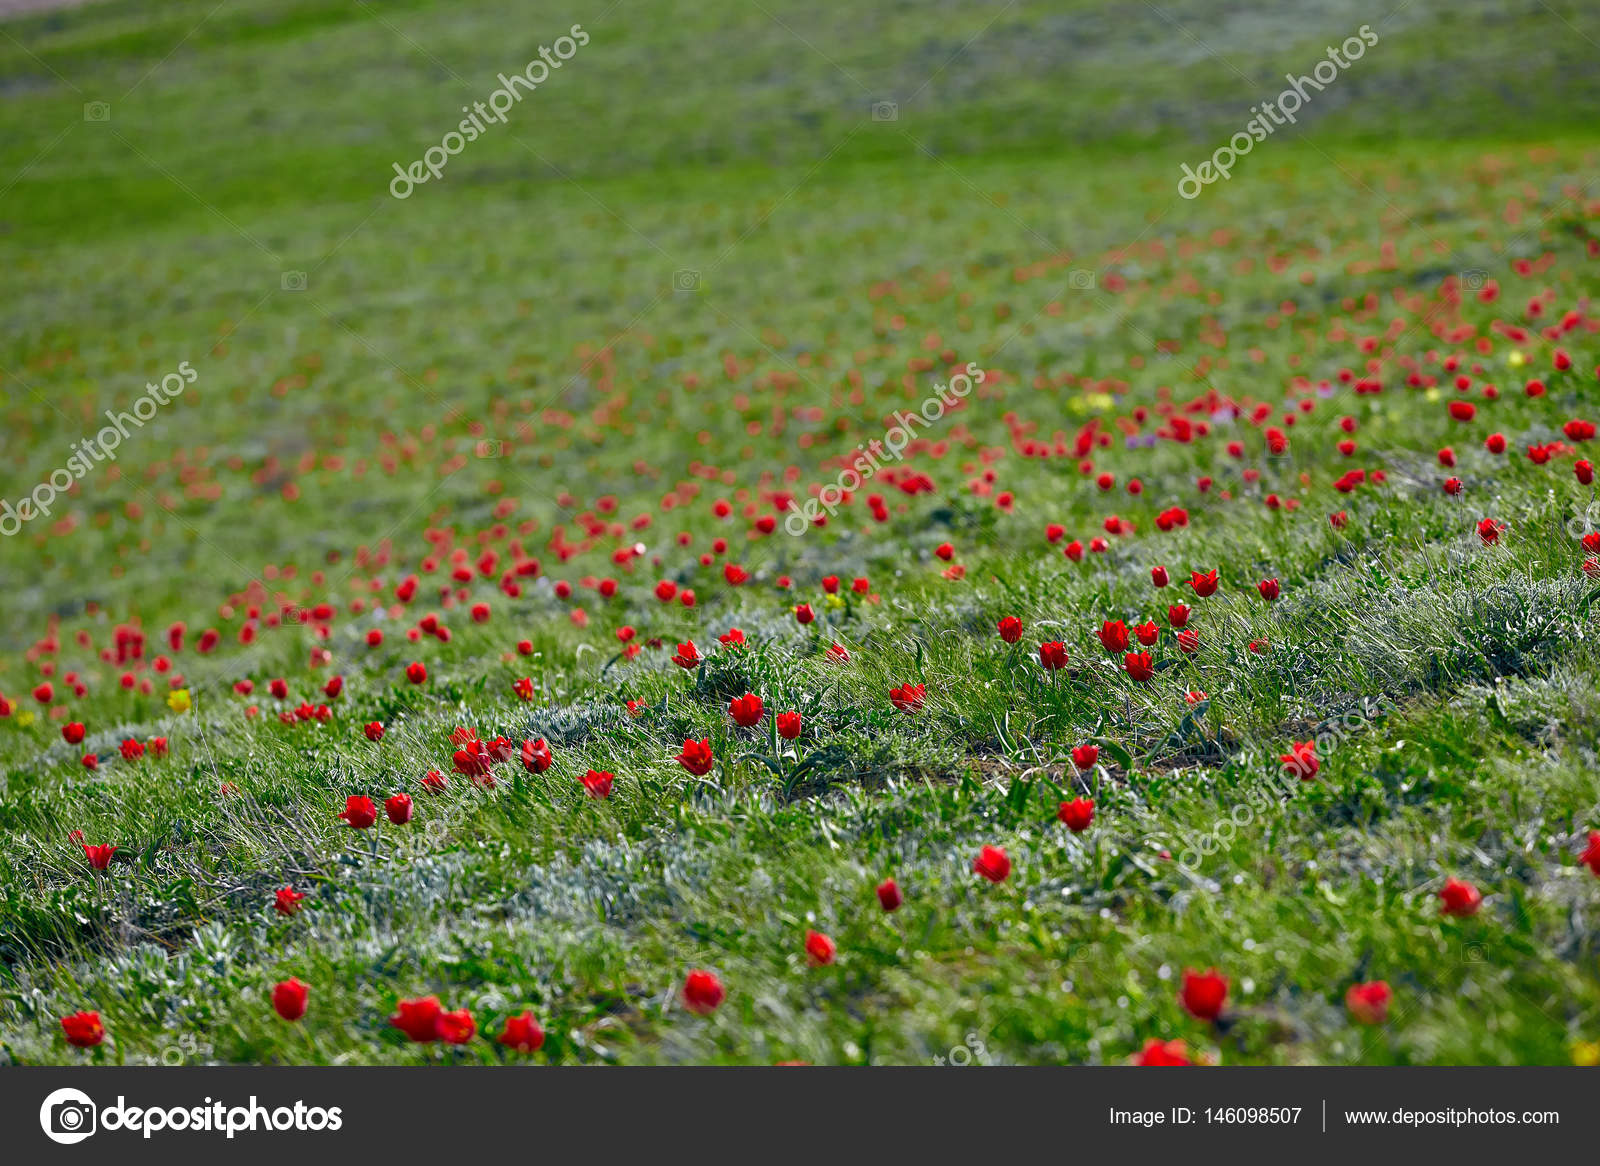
(527, 300)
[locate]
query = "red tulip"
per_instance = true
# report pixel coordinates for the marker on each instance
(1585, 472)
(455, 1028)
(83, 1030)
(687, 655)
(907, 698)
(522, 1034)
(1489, 531)
(1085, 756)
(1162, 1053)
(1147, 632)
(1053, 656)
(702, 992)
(72, 733)
(131, 750)
(416, 672)
(1203, 994)
(1140, 667)
(1178, 614)
(993, 864)
(696, 756)
(1591, 857)
(1203, 585)
(99, 856)
(1158, 576)
(418, 1019)
(745, 710)
(1114, 635)
(289, 999)
(1077, 814)
(1010, 629)
(1459, 898)
(287, 901)
(374, 731)
(359, 812)
(1368, 1003)
(398, 808)
(889, 895)
(597, 783)
(789, 725)
(1268, 589)
(1301, 760)
(536, 756)
(820, 950)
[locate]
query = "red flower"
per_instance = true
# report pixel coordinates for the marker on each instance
(1188, 641)
(820, 950)
(435, 782)
(889, 895)
(1463, 410)
(1203, 585)
(696, 756)
(536, 756)
(289, 999)
(1203, 994)
(418, 1019)
(1268, 589)
(1369, 1003)
(907, 698)
(803, 613)
(83, 1030)
(745, 710)
(1452, 486)
(359, 812)
(945, 551)
(1085, 756)
(374, 731)
(1591, 857)
(1140, 667)
(703, 993)
(131, 750)
(1178, 614)
(1301, 760)
(416, 672)
(522, 1034)
(72, 733)
(1459, 898)
(158, 746)
(1159, 1053)
(993, 864)
(1147, 632)
(1585, 472)
(837, 655)
(287, 901)
(687, 656)
(456, 1028)
(1158, 576)
(597, 783)
(333, 688)
(398, 808)
(475, 760)
(733, 637)
(523, 687)
(1053, 655)
(789, 725)
(99, 856)
(1077, 814)
(1489, 531)
(1114, 635)
(1010, 629)
(44, 693)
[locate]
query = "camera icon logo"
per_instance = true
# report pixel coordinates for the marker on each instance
(1474, 278)
(488, 448)
(68, 1116)
(96, 111)
(294, 281)
(686, 280)
(885, 111)
(1081, 279)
